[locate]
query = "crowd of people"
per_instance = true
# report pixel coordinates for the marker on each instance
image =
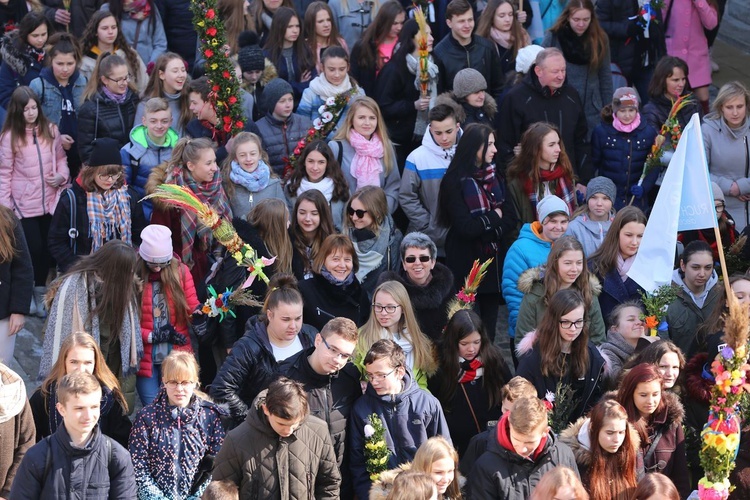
(519, 140)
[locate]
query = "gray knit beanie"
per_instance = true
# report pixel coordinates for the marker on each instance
(273, 92)
(601, 185)
(468, 81)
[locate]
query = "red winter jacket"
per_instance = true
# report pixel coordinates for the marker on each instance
(147, 318)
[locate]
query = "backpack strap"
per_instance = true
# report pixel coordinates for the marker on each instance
(135, 164)
(47, 458)
(72, 231)
(340, 155)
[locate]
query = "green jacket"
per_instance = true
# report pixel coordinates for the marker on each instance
(684, 317)
(533, 305)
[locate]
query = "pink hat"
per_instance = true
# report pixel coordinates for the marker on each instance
(157, 244)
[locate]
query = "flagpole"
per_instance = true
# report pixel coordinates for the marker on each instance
(722, 261)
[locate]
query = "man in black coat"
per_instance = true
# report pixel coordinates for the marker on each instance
(77, 461)
(545, 96)
(332, 384)
(462, 49)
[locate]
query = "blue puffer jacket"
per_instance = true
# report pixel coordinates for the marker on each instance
(620, 156)
(167, 444)
(140, 156)
(528, 251)
(410, 418)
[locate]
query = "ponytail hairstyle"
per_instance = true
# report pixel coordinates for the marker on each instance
(103, 68)
(63, 43)
(611, 475)
(551, 278)
(548, 338)
(275, 42)
(90, 39)
(281, 289)
(155, 86)
(187, 150)
(333, 171)
(15, 122)
(270, 218)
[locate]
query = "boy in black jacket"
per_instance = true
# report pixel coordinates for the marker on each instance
(77, 460)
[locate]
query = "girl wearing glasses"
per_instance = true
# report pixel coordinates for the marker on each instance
(470, 378)
(167, 301)
(558, 357)
(172, 435)
(80, 352)
(104, 36)
(105, 209)
(33, 170)
(374, 234)
(657, 417)
(565, 268)
(108, 105)
(318, 169)
(392, 317)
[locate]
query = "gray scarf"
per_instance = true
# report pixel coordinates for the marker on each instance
(371, 251)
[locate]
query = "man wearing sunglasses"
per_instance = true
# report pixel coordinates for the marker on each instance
(424, 169)
(332, 384)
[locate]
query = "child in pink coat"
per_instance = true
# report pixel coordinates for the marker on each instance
(33, 174)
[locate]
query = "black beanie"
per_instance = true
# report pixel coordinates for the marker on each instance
(106, 152)
(250, 56)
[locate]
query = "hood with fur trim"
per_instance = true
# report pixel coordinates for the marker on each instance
(12, 54)
(535, 275)
(673, 414)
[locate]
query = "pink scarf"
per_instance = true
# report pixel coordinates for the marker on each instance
(367, 163)
(503, 39)
(623, 266)
(626, 129)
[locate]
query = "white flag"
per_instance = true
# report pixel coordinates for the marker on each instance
(685, 201)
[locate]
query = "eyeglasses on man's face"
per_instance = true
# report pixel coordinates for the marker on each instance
(335, 352)
(378, 377)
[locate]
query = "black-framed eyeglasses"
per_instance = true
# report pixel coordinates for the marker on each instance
(109, 177)
(378, 377)
(359, 213)
(160, 264)
(572, 324)
(411, 259)
(335, 352)
(120, 81)
(720, 207)
(390, 308)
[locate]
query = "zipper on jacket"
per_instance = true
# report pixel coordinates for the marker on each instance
(325, 402)
(41, 170)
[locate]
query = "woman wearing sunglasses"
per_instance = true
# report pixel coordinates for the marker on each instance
(428, 282)
(566, 368)
(376, 238)
(167, 301)
(392, 317)
(97, 208)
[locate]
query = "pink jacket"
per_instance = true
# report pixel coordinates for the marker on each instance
(23, 172)
(685, 37)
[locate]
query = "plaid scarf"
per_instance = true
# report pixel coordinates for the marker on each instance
(482, 191)
(469, 370)
(211, 193)
(109, 216)
(559, 184)
(138, 9)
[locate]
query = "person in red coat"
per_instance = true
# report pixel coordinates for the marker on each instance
(167, 302)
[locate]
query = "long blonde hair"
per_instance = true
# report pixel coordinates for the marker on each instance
(270, 217)
(371, 332)
(434, 449)
(389, 159)
(101, 371)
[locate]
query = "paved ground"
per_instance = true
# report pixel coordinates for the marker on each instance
(734, 65)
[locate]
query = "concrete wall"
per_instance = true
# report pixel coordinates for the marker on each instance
(735, 26)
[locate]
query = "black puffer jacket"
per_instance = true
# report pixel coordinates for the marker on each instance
(100, 116)
(395, 92)
(430, 302)
(266, 466)
(502, 473)
(249, 368)
(527, 103)
(325, 301)
(58, 240)
(280, 138)
(331, 399)
(628, 46)
(480, 54)
(16, 278)
(98, 471)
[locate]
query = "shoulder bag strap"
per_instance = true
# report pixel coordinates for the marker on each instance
(72, 231)
(651, 450)
(471, 408)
